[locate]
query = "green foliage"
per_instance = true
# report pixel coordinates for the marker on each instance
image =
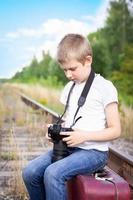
(124, 83)
(8, 156)
(55, 70)
(46, 72)
(127, 62)
(113, 49)
(101, 59)
(43, 101)
(116, 31)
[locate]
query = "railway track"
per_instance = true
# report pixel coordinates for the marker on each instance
(21, 139)
(23, 147)
(120, 162)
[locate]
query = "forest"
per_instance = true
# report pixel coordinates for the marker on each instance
(112, 55)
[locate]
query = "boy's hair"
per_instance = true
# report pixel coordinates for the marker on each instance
(73, 46)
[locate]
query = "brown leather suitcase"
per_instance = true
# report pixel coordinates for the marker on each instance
(89, 187)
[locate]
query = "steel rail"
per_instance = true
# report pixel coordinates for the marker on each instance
(37, 106)
(120, 162)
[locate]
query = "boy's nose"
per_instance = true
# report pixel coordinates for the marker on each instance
(68, 74)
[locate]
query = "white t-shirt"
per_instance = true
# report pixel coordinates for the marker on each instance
(101, 93)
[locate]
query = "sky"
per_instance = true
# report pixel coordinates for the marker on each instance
(28, 27)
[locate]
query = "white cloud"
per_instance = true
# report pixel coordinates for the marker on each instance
(12, 35)
(52, 27)
(53, 30)
(25, 32)
(59, 27)
(48, 35)
(32, 41)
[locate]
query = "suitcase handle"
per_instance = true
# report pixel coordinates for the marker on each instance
(102, 175)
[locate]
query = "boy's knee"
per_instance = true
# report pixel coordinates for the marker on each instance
(28, 174)
(48, 174)
(51, 173)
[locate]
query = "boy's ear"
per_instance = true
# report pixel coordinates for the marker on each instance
(88, 59)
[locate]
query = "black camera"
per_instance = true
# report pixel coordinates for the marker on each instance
(60, 149)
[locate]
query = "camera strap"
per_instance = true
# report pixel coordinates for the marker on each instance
(67, 103)
(82, 97)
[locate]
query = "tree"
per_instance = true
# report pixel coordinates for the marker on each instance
(118, 31)
(55, 70)
(101, 60)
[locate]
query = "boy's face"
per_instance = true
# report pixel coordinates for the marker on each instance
(76, 71)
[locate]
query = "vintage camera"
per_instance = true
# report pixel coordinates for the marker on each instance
(60, 149)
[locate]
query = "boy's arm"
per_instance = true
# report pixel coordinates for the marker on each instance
(112, 131)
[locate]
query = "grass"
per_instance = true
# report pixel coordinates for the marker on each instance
(16, 186)
(8, 156)
(10, 108)
(46, 96)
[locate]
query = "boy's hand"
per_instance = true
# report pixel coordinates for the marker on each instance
(48, 138)
(75, 137)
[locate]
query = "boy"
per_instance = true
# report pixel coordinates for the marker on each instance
(98, 123)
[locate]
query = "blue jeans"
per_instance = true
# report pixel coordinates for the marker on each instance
(47, 181)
